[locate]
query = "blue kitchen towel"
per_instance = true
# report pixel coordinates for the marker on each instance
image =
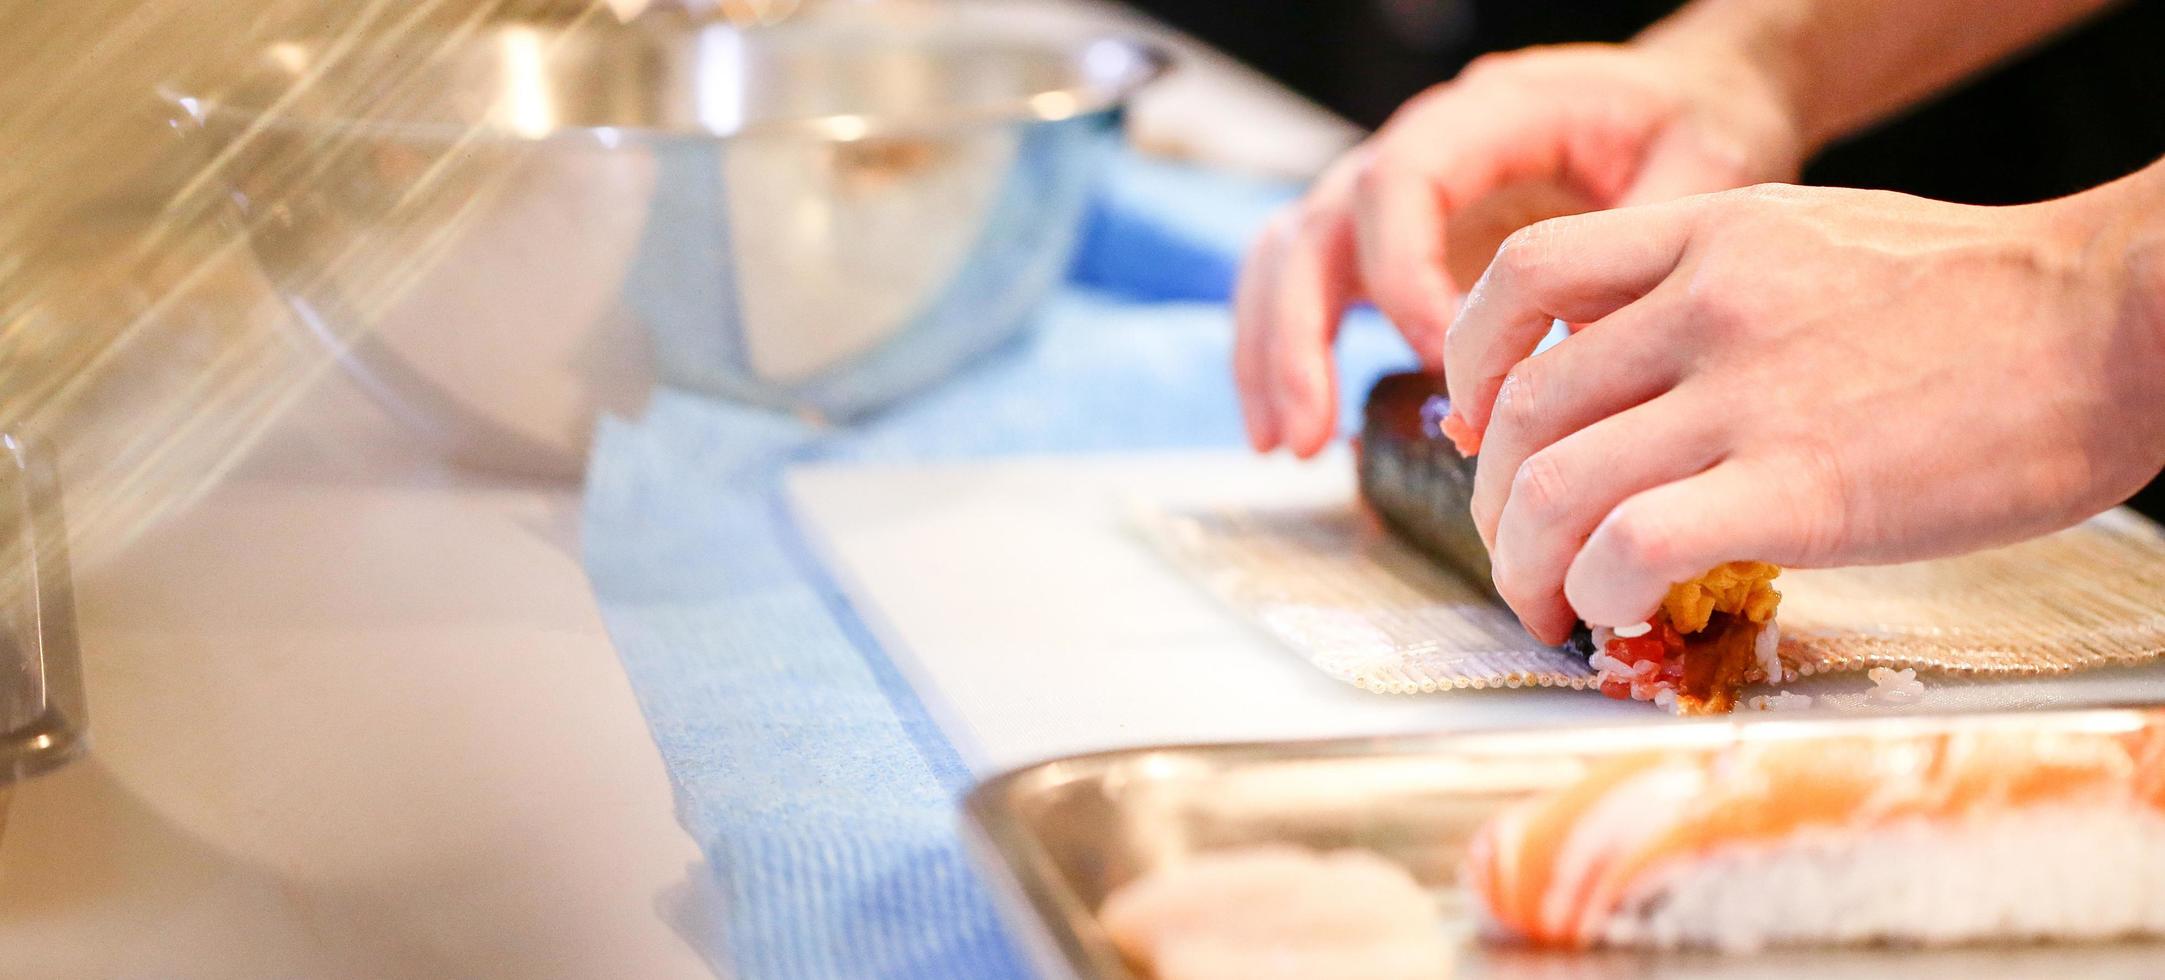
(820, 792)
(1164, 231)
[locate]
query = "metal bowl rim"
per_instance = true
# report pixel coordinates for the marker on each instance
(1151, 59)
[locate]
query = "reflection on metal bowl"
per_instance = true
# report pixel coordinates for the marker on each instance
(507, 229)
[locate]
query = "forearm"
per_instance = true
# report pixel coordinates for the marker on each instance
(1840, 65)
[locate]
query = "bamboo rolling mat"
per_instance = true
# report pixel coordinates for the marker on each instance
(1334, 586)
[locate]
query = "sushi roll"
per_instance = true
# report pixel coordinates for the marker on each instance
(1712, 634)
(1927, 840)
(1414, 478)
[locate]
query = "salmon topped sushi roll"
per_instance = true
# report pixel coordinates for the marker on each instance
(1928, 840)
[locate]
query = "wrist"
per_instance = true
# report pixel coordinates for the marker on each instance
(1731, 65)
(2112, 238)
(2116, 232)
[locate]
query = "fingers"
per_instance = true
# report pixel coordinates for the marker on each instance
(1399, 226)
(1250, 337)
(1562, 493)
(1292, 294)
(1413, 181)
(1674, 169)
(1741, 509)
(1624, 360)
(1309, 299)
(1578, 269)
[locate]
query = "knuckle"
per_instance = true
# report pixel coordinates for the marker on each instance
(1491, 63)
(1771, 192)
(1370, 174)
(1416, 106)
(1313, 220)
(1755, 203)
(1519, 400)
(1540, 489)
(1714, 306)
(1639, 540)
(1483, 66)
(1388, 164)
(1523, 252)
(1821, 505)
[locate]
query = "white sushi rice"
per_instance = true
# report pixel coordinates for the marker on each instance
(1895, 687)
(1608, 667)
(2067, 871)
(1635, 630)
(1780, 701)
(1767, 645)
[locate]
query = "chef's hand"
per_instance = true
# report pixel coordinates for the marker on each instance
(1616, 124)
(1806, 376)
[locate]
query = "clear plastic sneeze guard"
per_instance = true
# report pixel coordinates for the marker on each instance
(41, 686)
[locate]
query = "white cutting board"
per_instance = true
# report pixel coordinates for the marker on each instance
(1020, 604)
(1033, 621)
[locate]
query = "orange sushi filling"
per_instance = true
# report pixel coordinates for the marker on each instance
(1701, 646)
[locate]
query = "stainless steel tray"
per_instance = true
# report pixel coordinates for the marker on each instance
(1054, 839)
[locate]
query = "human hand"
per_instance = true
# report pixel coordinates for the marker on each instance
(1400, 219)
(1807, 376)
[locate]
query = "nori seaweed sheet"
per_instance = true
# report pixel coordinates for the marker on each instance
(1416, 481)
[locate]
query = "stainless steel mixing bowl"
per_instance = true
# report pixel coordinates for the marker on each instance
(505, 229)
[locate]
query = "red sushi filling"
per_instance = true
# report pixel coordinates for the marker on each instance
(1694, 675)
(1662, 646)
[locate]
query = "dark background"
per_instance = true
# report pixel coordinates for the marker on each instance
(2078, 111)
